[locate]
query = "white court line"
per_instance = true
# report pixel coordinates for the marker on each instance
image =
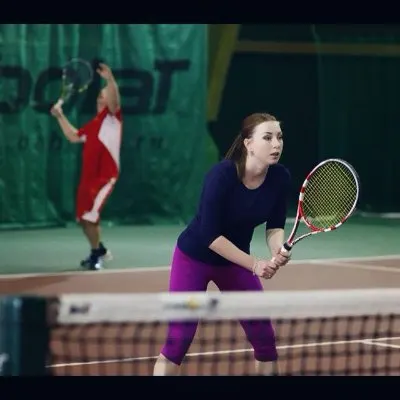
(166, 268)
(388, 345)
(237, 351)
(361, 266)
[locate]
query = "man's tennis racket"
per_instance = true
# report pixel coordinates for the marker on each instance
(328, 197)
(77, 75)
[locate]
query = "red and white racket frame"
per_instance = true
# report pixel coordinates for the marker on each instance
(290, 242)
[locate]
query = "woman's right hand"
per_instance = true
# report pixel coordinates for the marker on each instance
(265, 269)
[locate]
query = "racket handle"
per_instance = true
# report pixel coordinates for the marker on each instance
(286, 249)
(59, 103)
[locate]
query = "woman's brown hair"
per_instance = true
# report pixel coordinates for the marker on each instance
(238, 152)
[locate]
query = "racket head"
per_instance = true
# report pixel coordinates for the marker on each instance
(77, 75)
(329, 195)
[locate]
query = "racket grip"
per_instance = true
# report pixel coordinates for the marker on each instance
(59, 103)
(286, 249)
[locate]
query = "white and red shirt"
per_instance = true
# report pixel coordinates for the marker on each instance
(102, 142)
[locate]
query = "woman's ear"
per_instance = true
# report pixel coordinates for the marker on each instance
(247, 143)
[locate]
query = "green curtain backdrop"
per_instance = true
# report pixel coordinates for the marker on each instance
(162, 73)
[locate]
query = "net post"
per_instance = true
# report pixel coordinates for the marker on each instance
(24, 335)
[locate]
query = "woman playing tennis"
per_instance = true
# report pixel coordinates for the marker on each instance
(245, 190)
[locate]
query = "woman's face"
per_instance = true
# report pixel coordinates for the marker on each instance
(266, 143)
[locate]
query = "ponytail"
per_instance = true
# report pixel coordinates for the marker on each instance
(237, 153)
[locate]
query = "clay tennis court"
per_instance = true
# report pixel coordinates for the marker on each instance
(131, 349)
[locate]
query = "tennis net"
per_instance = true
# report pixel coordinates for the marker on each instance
(331, 332)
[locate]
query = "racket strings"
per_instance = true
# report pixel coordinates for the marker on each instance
(330, 195)
(77, 75)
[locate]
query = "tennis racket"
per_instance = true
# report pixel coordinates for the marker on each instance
(328, 197)
(77, 75)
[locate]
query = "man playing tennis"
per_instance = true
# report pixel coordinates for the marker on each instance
(101, 138)
(246, 189)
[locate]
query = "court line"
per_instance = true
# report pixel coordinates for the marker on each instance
(361, 266)
(387, 345)
(130, 270)
(222, 352)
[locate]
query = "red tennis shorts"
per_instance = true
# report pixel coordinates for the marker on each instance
(91, 198)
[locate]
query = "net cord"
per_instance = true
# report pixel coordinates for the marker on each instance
(162, 307)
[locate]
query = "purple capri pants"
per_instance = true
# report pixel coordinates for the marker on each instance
(189, 275)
